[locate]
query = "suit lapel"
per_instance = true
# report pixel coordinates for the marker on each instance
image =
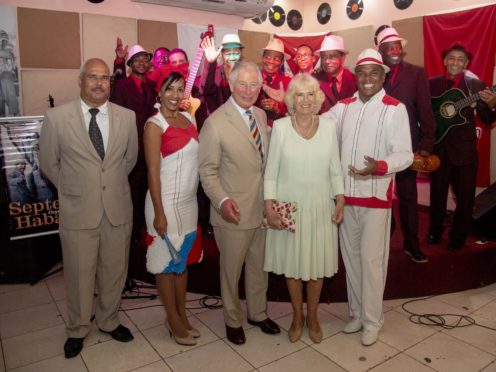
(238, 122)
(77, 124)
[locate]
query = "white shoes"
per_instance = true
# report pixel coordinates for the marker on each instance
(369, 337)
(352, 327)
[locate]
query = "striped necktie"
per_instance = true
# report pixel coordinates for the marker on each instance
(254, 131)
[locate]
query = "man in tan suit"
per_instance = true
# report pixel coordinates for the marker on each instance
(233, 149)
(87, 149)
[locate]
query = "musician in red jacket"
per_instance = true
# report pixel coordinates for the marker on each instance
(335, 81)
(457, 148)
(408, 84)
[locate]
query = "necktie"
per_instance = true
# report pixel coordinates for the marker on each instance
(387, 83)
(254, 132)
(450, 83)
(143, 90)
(95, 134)
(334, 88)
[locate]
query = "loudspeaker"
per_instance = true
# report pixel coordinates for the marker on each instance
(484, 214)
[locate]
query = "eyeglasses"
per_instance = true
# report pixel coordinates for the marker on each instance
(302, 57)
(102, 78)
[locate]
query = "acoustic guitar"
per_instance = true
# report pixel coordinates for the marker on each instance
(193, 72)
(447, 110)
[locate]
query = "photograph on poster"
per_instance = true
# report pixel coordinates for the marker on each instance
(9, 72)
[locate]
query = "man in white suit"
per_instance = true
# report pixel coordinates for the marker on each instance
(87, 149)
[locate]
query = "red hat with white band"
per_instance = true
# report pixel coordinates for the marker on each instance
(370, 57)
(389, 34)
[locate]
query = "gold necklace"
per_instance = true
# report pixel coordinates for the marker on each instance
(298, 129)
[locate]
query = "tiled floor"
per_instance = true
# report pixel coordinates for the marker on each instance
(32, 335)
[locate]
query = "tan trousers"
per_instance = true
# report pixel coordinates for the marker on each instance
(94, 255)
(237, 247)
(364, 236)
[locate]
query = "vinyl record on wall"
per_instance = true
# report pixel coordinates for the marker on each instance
(295, 20)
(277, 15)
(324, 13)
(260, 19)
(402, 4)
(95, 1)
(354, 9)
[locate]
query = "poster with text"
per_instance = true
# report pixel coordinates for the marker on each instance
(33, 206)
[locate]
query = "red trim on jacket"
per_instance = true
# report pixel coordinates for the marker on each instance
(388, 100)
(348, 100)
(372, 202)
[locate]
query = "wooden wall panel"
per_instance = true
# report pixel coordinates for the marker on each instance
(61, 84)
(253, 42)
(153, 34)
(411, 29)
(100, 34)
(355, 41)
(48, 39)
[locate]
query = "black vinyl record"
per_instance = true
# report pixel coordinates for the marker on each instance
(354, 9)
(402, 4)
(324, 13)
(277, 15)
(260, 19)
(295, 20)
(96, 1)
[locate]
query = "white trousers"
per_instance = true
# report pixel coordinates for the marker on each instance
(364, 236)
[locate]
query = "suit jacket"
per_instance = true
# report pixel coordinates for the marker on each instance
(348, 88)
(459, 144)
(127, 94)
(87, 185)
(231, 165)
(412, 89)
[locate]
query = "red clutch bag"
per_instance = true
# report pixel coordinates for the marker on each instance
(287, 211)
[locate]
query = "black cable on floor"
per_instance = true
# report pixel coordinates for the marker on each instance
(441, 320)
(205, 302)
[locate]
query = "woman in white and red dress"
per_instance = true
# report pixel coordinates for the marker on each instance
(171, 210)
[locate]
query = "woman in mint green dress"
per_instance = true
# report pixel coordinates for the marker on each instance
(303, 166)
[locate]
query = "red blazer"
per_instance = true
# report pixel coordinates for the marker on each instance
(412, 89)
(348, 88)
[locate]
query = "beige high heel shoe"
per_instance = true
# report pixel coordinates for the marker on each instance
(294, 334)
(315, 336)
(194, 332)
(188, 340)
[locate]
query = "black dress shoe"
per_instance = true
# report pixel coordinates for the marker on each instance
(434, 239)
(121, 334)
(416, 255)
(73, 347)
(235, 335)
(267, 326)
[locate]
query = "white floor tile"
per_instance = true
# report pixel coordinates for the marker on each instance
(339, 309)
(119, 356)
(398, 331)
(261, 349)
(445, 353)
(148, 317)
(474, 335)
(489, 368)
(55, 364)
(276, 310)
(432, 306)
(488, 311)
(348, 352)
(33, 347)
(159, 366)
(470, 300)
(213, 357)
(27, 297)
(307, 360)
(161, 341)
(403, 363)
(28, 320)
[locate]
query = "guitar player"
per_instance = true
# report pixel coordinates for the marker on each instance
(457, 149)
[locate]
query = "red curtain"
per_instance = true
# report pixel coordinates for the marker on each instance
(291, 43)
(476, 29)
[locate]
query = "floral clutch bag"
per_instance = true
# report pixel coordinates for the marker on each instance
(287, 211)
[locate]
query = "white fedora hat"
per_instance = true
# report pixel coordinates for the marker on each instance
(389, 34)
(370, 57)
(134, 51)
(231, 41)
(277, 46)
(332, 42)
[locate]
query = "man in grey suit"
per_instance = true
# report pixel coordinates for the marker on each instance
(87, 149)
(233, 149)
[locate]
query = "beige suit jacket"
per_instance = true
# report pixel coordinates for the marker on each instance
(231, 166)
(88, 186)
